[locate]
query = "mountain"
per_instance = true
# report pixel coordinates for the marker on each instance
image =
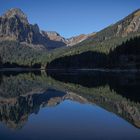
(123, 28)
(98, 50)
(94, 50)
(126, 28)
(56, 40)
(77, 39)
(14, 26)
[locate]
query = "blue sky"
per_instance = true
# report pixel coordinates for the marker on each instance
(72, 17)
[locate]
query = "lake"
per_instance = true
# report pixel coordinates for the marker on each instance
(69, 105)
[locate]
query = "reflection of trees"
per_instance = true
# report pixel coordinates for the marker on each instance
(124, 83)
(23, 94)
(116, 92)
(21, 84)
(14, 112)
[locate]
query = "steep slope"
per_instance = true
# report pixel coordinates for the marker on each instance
(15, 26)
(77, 39)
(57, 41)
(104, 41)
(54, 39)
(126, 26)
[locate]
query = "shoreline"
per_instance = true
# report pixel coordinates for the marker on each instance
(69, 70)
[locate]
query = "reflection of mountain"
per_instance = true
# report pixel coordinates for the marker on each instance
(126, 84)
(14, 112)
(116, 92)
(23, 94)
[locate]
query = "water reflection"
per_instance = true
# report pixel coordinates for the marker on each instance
(117, 92)
(22, 94)
(126, 84)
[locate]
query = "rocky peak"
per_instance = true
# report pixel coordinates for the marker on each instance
(77, 39)
(14, 25)
(16, 12)
(137, 12)
(129, 24)
(52, 35)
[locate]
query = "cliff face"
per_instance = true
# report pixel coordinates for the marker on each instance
(15, 26)
(77, 39)
(123, 28)
(130, 24)
(116, 46)
(56, 40)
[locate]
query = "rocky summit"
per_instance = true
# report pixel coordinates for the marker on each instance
(56, 40)
(123, 28)
(16, 13)
(14, 25)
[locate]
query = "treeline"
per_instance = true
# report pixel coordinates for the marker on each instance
(104, 40)
(125, 56)
(84, 60)
(114, 53)
(14, 54)
(103, 46)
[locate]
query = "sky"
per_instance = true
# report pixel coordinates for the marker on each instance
(72, 17)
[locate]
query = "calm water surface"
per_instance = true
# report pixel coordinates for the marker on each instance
(69, 106)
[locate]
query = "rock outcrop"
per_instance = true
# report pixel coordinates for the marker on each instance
(129, 25)
(77, 39)
(56, 40)
(14, 26)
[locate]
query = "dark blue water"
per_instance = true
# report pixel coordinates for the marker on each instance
(32, 108)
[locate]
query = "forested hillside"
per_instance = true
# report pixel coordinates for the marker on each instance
(124, 56)
(116, 46)
(13, 54)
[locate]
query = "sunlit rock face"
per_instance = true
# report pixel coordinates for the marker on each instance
(14, 25)
(130, 24)
(56, 40)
